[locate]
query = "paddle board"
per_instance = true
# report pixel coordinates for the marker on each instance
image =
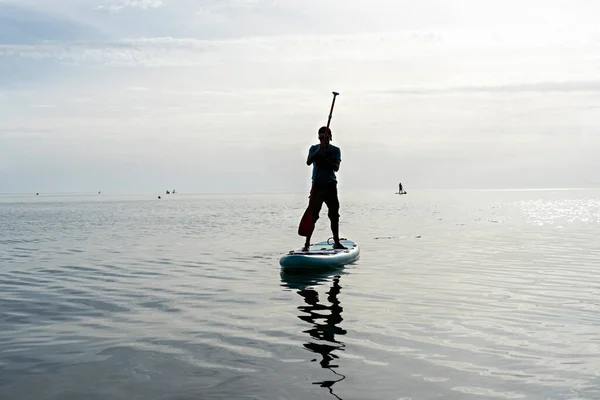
(321, 255)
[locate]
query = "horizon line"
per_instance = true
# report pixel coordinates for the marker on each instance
(86, 193)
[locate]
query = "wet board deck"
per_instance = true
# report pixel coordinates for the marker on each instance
(321, 255)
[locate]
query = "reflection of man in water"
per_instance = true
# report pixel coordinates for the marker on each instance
(324, 331)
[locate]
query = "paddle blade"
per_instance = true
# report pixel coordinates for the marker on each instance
(306, 223)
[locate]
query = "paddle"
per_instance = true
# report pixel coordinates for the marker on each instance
(306, 223)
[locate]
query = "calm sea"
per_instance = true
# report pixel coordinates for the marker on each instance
(457, 295)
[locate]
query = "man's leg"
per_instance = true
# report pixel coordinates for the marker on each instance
(333, 205)
(315, 203)
(307, 242)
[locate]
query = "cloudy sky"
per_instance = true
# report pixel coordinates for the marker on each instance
(227, 95)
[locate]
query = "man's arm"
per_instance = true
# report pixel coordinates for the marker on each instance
(334, 163)
(327, 163)
(314, 154)
(331, 162)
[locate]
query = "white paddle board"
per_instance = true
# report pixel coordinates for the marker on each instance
(321, 255)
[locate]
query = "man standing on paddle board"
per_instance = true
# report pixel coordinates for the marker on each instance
(325, 159)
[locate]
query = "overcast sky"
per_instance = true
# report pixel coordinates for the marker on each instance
(227, 95)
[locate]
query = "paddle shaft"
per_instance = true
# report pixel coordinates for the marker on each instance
(331, 110)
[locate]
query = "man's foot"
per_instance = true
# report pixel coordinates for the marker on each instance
(338, 245)
(305, 247)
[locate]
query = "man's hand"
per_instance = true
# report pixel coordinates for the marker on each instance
(317, 154)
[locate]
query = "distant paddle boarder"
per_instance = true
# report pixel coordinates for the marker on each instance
(400, 188)
(325, 159)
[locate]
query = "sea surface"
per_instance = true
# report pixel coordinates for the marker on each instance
(456, 295)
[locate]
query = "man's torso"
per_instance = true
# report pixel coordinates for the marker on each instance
(324, 174)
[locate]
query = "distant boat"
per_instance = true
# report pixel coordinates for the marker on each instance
(400, 189)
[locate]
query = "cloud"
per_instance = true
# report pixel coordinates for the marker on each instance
(24, 25)
(549, 21)
(123, 4)
(465, 49)
(22, 132)
(538, 87)
(186, 51)
(223, 5)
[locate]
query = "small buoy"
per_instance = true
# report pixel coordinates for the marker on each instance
(159, 197)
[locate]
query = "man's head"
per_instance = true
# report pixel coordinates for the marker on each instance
(324, 134)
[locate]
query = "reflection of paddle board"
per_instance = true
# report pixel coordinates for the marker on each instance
(298, 279)
(321, 255)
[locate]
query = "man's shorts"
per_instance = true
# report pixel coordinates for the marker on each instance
(325, 193)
